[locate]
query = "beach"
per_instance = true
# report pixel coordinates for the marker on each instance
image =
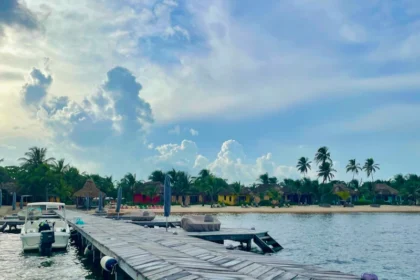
(312, 209)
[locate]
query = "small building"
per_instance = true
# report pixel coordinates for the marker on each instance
(385, 193)
(262, 191)
(229, 197)
(345, 193)
(149, 193)
(85, 196)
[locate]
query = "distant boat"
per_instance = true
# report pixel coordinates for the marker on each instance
(30, 234)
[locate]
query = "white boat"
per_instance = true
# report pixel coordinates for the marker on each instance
(31, 230)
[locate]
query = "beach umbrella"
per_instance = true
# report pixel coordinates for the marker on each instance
(14, 201)
(119, 198)
(100, 202)
(21, 202)
(87, 202)
(167, 198)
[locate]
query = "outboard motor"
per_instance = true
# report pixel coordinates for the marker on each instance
(369, 276)
(46, 241)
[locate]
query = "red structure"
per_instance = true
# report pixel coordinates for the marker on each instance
(142, 198)
(149, 188)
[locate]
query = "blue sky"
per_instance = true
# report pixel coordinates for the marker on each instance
(239, 87)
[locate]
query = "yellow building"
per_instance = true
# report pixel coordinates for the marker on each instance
(232, 199)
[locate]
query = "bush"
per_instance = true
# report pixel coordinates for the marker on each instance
(362, 202)
(265, 203)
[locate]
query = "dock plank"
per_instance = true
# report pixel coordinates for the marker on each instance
(156, 254)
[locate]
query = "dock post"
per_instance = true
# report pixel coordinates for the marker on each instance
(119, 273)
(248, 245)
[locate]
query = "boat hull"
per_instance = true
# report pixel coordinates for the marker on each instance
(30, 241)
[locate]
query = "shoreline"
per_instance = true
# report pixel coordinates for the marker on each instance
(312, 209)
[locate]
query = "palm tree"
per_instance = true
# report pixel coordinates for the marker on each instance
(303, 165)
(204, 173)
(157, 176)
(182, 184)
(353, 167)
(322, 155)
(264, 178)
(35, 157)
(326, 171)
(173, 175)
(237, 188)
(130, 181)
(370, 167)
(1, 159)
(59, 166)
(272, 180)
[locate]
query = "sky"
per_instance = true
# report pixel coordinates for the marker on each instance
(239, 87)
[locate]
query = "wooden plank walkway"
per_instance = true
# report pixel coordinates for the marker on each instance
(156, 254)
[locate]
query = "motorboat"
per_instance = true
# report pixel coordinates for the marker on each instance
(53, 219)
(33, 212)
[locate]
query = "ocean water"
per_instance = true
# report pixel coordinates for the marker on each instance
(385, 244)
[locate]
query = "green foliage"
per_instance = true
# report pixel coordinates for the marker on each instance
(363, 201)
(265, 203)
(303, 165)
(344, 195)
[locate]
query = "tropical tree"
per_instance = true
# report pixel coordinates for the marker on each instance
(35, 157)
(237, 188)
(264, 178)
(353, 167)
(204, 173)
(326, 171)
(129, 183)
(157, 176)
(272, 180)
(323, 155)
(274, 195)
(182, 184)
(370, 167)
(1, 159)
(59, 166)
(172, 173)
(303, 165)
(152, 190)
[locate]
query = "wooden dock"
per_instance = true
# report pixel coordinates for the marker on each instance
(156, 254)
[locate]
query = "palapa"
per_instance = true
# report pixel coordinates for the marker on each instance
(89, 190)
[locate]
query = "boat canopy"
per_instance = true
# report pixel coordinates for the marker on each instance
(46, 204)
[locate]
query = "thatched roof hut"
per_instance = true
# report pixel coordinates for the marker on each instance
(10, 187)
(340, 187)
(384, 189)
(89, 190)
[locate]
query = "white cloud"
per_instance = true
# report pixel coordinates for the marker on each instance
(7, 147)
(231, 162)
(150, 146)
(193, 132)
(175, 130)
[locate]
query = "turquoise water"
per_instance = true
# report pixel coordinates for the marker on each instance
(70, 264)
(386, 244)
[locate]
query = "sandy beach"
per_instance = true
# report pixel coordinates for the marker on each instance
(313, 209)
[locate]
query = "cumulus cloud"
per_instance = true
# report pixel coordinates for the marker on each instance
(15, 13)
(116, 109)
(230, 163)
(193, 132)
(174, 155)
(36, 89)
